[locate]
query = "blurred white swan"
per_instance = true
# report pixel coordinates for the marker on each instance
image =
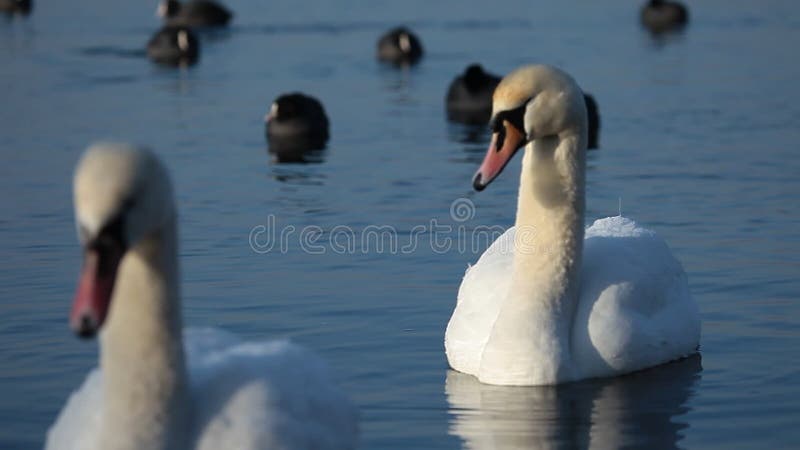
(157, 387)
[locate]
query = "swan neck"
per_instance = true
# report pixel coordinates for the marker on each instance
(550, 205)
(549, 227)
(142, 361)
(530, 342)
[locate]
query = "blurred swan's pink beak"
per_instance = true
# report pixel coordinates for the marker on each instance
(95, 287)
(496, 158)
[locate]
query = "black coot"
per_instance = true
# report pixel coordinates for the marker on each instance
(469, 97)
(660, 16)
(399, 46)
(174, 46)
(16, 6)
(195, 13)
(297, 126)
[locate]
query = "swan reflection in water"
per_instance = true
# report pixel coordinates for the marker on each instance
(638, 410)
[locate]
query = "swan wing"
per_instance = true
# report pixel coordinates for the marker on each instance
(265, 395)
(249, 396)
(79, 419)
(635, 308)
(483, 289)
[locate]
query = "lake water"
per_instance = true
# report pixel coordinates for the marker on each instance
(699, 142)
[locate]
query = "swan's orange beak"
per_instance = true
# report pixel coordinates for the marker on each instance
(95, 287)
(503, 146)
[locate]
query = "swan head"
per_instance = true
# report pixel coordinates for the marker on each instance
(121, 194)
(532, 102)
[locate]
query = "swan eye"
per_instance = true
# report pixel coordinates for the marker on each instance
(501, 136)
(516, 117)
(111, 237)
(512, 117)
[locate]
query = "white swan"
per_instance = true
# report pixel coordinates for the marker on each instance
(542, 305)
(146, 393)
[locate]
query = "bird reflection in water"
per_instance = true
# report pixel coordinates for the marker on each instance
(303, 150)
(473, 140)
(291, 174)
(640, 410)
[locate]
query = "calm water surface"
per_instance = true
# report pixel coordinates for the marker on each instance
(699, 142)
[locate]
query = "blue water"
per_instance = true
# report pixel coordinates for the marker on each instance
(698, 142)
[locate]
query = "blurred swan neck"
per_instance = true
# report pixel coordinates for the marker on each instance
(142, 361)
